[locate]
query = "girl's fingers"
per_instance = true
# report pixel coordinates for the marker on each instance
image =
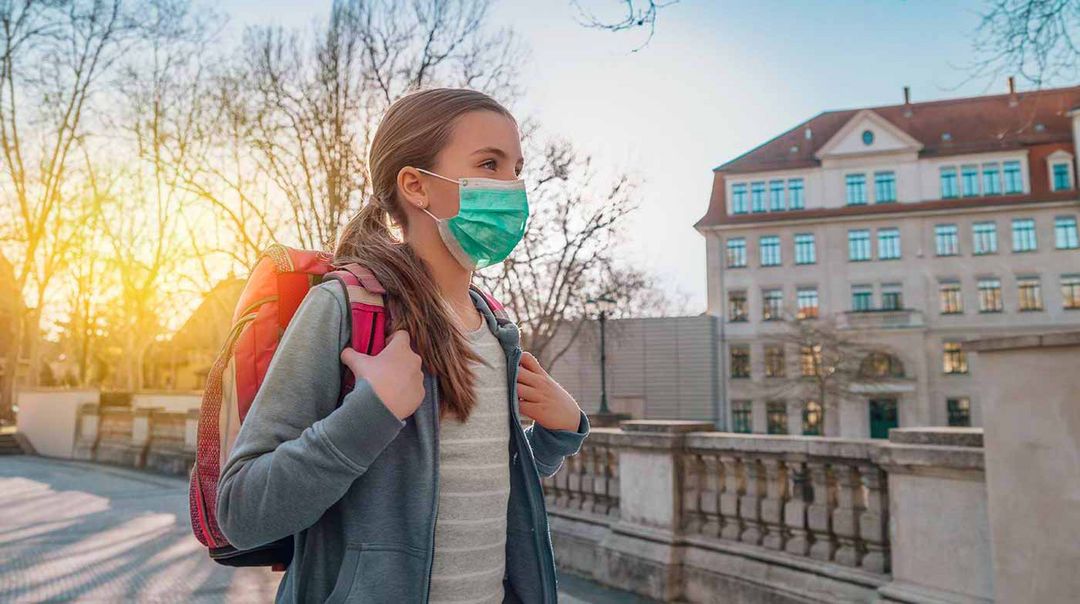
(527, 393)
(529, 378)
(530, 363)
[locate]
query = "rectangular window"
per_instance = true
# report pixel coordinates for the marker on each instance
(738, 198)
(742, 417)
(738, 308)
(813, 419)
(888, 244)
(776, 412)
(952, 302)
(772, 304)
(770, 250)
(856, 189)
(736, 252)
(774, 360)
(740, 361)
(884, 187)
(948, 183)
(1023, 235)
(989, 295)
(1065, 236)
(1061, 177)
(1030, 293)
(858, 245)
(807, 299)
(757, 196)
(991, 179)
(959, 412)
(776, 195)
(892, 296)
(969, 180)
(809, 360)
(984, 237)
(1014, 182)
(804, 249)
(946, 242)
(1070, 292)
(862, 298)
(955, 359)
(795, 194)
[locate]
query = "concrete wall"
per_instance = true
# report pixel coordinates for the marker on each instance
(657, 368)
(168, 400)
(49, 418)
(1032, 417)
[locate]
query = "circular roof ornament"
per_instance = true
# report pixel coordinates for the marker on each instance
(867, 137)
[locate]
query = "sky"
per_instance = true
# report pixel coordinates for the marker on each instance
(717, 79)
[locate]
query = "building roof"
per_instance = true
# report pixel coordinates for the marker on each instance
(1038, 121)
(973, 125)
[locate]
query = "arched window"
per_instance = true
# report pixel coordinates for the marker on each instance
(881, 365)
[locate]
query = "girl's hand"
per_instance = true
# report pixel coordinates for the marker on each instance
(395, 373)
(543, 399)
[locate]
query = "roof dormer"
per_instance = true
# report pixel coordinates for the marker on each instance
(867, 133)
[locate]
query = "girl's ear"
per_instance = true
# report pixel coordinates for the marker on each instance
(413, 190)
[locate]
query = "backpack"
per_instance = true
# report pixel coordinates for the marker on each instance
(274, 291)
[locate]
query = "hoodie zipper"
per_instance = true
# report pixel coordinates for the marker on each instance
(435, 505)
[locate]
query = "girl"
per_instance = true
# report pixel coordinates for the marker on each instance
(421, 486)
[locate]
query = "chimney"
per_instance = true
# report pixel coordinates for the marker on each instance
(907, 101)
(1012, 92)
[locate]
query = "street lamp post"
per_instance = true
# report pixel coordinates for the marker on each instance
(605, 304)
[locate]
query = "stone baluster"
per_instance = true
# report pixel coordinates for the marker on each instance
(750, 502)
(573, 479)
(819, 514)
(732, 523)
(613, 480)
(587, 480)
(874, 522)
(795, 509)
(693, 477)
(772, 507)
(600, 469)
(846, 515)
(710, 496)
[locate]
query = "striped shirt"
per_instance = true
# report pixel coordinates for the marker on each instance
(474, 487)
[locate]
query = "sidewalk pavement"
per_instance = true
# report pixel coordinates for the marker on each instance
(88, 532)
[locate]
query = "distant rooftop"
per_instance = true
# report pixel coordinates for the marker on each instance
(944, 127)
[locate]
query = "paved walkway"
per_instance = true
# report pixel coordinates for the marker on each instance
(87, 532)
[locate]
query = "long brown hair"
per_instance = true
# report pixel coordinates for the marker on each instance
(412, 132)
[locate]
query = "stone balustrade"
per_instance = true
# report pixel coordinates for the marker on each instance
(144, 437)
(675, 511)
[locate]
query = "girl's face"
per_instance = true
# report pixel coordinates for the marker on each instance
(483, 144)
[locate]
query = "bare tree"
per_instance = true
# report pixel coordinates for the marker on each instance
(634, 15)
(569, 254)
(834, 363)
(1036, 39)
(314, 104)
(52, 59)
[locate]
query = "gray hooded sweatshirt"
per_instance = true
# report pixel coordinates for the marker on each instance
(357, 487)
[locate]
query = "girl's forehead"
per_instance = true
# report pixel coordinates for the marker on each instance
(479, 132)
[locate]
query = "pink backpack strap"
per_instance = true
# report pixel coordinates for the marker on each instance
(369, 313)
(496, 307)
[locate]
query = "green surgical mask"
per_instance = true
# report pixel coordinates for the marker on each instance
(490, 221)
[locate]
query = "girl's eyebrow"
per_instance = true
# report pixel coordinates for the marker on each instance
(494, 150)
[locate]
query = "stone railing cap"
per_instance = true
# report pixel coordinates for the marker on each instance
(937, 435)
(670, 426)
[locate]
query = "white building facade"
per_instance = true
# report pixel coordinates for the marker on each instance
(920, 226)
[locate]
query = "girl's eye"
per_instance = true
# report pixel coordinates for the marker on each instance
(490, 162)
